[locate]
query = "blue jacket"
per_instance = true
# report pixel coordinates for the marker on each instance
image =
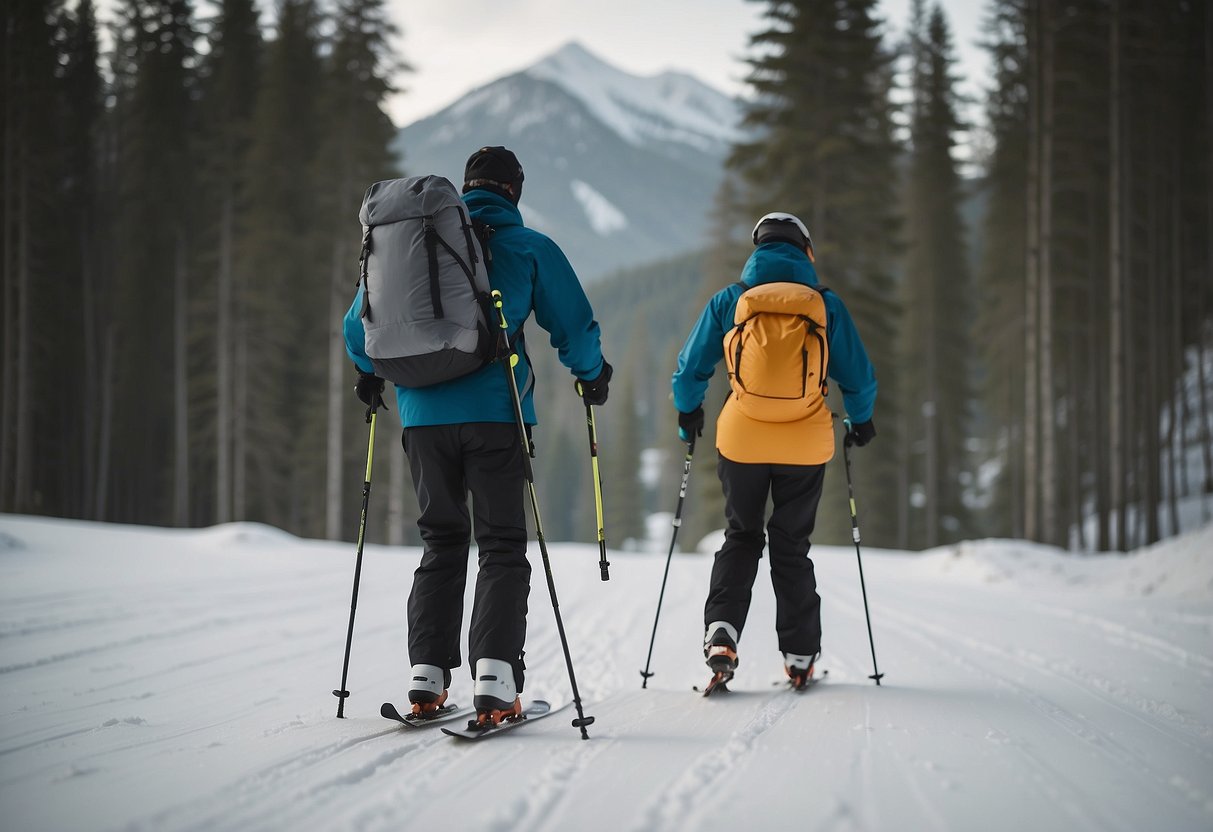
(770, 263)
(533, 275)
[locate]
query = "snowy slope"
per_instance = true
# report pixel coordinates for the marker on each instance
(180, 680)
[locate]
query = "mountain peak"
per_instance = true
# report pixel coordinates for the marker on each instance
(575, 52)
(670, 106)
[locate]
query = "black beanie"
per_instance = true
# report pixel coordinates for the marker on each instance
(494, 169)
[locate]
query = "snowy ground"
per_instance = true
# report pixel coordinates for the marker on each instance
(170, 680)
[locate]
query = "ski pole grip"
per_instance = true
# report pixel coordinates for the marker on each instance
(497, 302)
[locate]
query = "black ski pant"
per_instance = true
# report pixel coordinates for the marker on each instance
(447, 463)
(795, 491)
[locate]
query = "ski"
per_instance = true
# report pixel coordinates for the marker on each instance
(443, 714)
(474, 731)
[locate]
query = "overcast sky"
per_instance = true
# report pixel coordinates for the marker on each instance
(456, 45)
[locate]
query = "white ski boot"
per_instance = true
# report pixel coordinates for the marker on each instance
(428, 688)
(496, 696)
(800, 668)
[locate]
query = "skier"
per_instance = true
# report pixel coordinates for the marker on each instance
(777, 446)
(461, 436)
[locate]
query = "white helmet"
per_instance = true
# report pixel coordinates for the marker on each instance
(788, 221)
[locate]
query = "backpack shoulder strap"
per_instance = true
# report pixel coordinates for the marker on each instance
(484, 232)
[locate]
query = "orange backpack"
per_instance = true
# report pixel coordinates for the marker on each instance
(776, 353)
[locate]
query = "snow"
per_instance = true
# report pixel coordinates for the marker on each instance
(180, 680)
(670, 106)
(604, 217)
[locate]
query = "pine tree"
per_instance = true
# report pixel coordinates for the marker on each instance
(936, 290)
(231, 75)
(83, 261)
(279, 251)
(30, 174)
(1001, 314)
(154, 123)
(354, 152)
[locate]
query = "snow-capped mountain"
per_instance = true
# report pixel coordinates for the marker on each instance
(671, 107)
(620, 169)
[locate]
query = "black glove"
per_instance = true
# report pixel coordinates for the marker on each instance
(690, 424)
(595, 392)
(860, 434)
(369, 389)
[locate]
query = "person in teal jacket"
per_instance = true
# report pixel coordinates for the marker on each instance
(461, 437)
(783, 461)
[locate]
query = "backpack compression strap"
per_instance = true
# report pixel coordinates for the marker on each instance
(431, 249)
(363, 259)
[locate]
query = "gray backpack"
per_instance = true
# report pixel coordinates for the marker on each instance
(426, 305)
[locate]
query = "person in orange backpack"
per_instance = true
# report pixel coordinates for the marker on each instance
(781, 335)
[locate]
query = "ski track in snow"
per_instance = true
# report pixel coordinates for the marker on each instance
(143, 692)
(1076, 725)
(689, 801)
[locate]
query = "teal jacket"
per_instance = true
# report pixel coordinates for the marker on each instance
(773, 263)
(533, 276)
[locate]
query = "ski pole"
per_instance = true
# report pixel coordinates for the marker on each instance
(603, 563)
(504, 350)
(682, 494)
(342, 694)
(846, 455)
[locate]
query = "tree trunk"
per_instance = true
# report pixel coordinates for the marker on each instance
(903, 483)
(1115, 534)
(338, 362)
(1175, 350)
(1152, 459)
(1031, 528)
(105, 425)
(1076, 540)
(181, 401)
(92, 367)
(23, 439)
(240, 414)
(1014, 393)
(1204, 342)
(223, 361)
(930, 425)
(8, 302)
(1048, 406)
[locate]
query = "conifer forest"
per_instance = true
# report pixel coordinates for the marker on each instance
(180, 192)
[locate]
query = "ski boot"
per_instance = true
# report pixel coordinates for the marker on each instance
(720, 651)
(800, 669)
(428, 689)
(496, 697)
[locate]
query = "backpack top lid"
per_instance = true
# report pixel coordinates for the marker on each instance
(393, 200)
(781, 299)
